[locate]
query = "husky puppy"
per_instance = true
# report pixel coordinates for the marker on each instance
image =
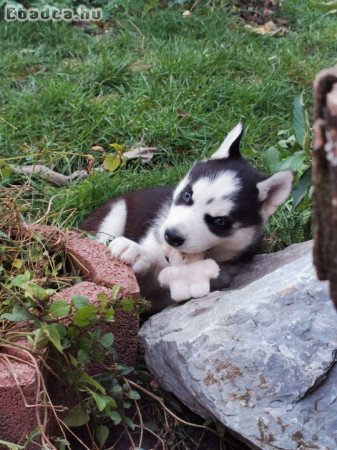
(218, 210)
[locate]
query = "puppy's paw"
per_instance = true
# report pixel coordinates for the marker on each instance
(180, 291)
(179, 286)
(131, 253)
(190, 280)
(200, 289)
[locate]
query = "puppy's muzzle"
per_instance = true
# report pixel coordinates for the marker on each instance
(173, 237)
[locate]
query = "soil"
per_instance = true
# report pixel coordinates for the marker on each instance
(177, 437)
(258, 11)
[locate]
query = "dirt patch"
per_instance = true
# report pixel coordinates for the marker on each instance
(257, 11)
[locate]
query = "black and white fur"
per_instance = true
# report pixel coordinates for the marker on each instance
(220, 209)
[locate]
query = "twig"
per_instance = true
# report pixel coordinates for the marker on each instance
(48, 174)
(154, 434)
(4, 120)
(161, 401)
(47, 212)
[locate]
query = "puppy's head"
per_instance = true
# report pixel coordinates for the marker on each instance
(223, 202)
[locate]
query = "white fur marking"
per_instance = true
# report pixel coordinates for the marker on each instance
(223, 151)
(230, 247)
(189, 280)
(113, 224)
(190, 220)
(274, 190)
(131, 253)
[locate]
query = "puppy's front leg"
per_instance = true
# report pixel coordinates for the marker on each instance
(226, 274)
(131, 253)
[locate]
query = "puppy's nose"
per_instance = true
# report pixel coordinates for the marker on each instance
(173, 237)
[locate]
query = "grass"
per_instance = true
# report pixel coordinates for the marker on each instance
(177, 83)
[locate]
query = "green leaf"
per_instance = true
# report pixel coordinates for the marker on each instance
(5, 170)
(52, 333)
(295, 162)
(10, 445)
(60, 308)
(124, 370)
(19, 280)
(271, 158)
(89, 380)
(78, 301)
(107, 340)
(34, 291)
(41, 340)
(127, 304)
(111, 162)
(101, 400)
(82, 356)
(17, 263)
(151, 4)
(109, 315)
(63, 444)
(76, 417)
(302, 188)
(103, 299)
(102, 433)
(119, 148)
(115, 291)
(18, 314)
(129, 423)
(299, 121)
(134, 395)
(115, 417)
(85, 316)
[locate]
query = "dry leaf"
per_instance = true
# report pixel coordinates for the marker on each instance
(90, 163)
(269, 28)
(97, 148)
(144, 153)
(182, 113)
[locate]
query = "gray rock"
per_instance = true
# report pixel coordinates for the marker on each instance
(260, 359)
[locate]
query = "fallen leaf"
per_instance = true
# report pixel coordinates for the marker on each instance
(111, 162)
(269, 28)
(139, 66)
(182, 113)
(90, 163)
(144, 153)
(97, 148)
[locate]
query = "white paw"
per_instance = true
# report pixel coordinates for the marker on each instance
(180, 291)
(200, 289)
(190, 280)
(131, 253)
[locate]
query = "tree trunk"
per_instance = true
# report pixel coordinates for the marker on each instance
(324, 174)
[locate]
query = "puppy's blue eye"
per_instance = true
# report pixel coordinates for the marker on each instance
(222, 221)
(186, 196)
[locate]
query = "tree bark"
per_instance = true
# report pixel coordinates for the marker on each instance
(324, 173)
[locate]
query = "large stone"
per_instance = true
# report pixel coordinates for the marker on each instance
(260, 358)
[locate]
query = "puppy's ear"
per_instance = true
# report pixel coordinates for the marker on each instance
(230, 148)
(274, 190)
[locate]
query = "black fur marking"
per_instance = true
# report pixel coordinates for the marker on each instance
(142, 209)
(246, 209)
(211, 200)
(220, 230)
(234, 149)
(180, 200)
